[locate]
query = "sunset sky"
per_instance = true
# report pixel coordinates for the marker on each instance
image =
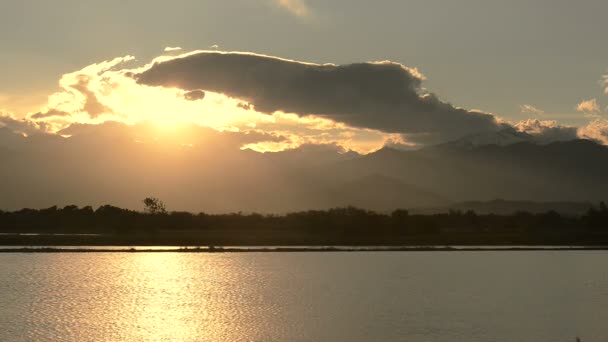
(162, 161)
(440, 70)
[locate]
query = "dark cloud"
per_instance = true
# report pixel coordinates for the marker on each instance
(194, 95)
(48, 114)
(9, 139)
(21, 126)
(381, 95)
(243, 105)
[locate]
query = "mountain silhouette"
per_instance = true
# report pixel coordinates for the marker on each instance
(214, 175)
(572, 170)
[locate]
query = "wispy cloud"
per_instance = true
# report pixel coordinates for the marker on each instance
(49, 114)
(295, 7)
(532, 110)
(597, 130)
(589, 107)
(169, 49)
(546, 131)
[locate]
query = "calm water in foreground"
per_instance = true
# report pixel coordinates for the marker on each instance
(356, 296)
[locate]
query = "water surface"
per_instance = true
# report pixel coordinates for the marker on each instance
(357, 296)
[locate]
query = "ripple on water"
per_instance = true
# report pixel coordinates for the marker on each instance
(486, 296)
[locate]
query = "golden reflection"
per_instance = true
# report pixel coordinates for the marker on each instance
(180, 297)
(158, 298)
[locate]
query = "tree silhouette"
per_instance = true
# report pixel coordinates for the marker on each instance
(154, 205)
(108, 225)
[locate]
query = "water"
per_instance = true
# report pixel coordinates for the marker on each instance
(356, 296)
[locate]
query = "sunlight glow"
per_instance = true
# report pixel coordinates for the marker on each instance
(107, 91)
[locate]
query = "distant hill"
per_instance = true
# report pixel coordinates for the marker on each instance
(502, 207)
(378, 192)
(561, 171)
(503, 137)
(214, 175)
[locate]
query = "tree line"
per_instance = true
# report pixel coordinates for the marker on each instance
(343, 225)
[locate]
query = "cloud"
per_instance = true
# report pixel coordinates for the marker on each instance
(170, 49)
(295, 7)
(24, 127)
(532, 110)
(92, 106)
(359, 107)
(79, 98)
(385, 96)
(244, 105)
(320, 131)
(589, 107)
(194, 95)
(596, 130)
(49, 114)
(108, 91)
(546, 131)
(184, 135)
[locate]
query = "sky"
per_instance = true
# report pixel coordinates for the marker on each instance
(110, 101)
(517, 60)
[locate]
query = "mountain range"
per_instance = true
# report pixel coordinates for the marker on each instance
(215, 177)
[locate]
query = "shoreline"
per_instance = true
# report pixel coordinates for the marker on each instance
(245, 249)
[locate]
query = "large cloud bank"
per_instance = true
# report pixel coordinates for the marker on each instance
(359, 107)
(385, 96)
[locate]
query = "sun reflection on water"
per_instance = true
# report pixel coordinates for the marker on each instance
(159, 298)
(167, 297)
(371, 296)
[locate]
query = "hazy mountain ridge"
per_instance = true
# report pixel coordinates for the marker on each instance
(502, 137)
(379, 192)
(503, 207)
(90, 169)
(573, 170)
